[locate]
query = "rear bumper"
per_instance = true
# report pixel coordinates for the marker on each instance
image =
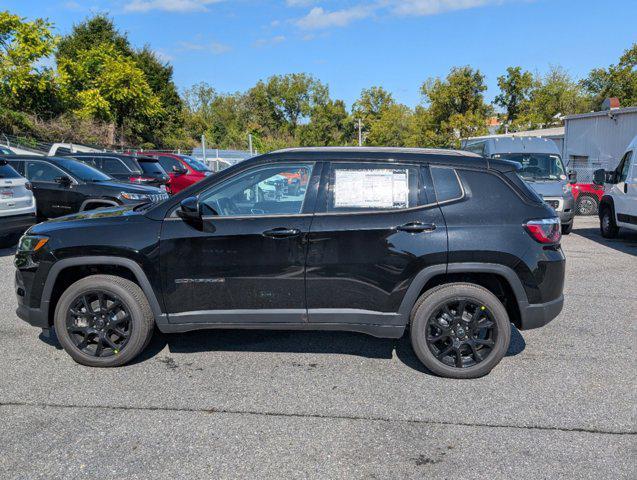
(539, 314)
(16, 223)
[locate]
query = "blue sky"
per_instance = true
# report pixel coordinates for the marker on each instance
(352, 44)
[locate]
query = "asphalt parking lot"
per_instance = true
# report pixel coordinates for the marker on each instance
(262, 404)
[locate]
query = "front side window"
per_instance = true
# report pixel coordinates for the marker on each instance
(170, 164)
(625, 167)
(369, 187)
(268, 190)
(446, 184)
(42, 172)
(82, 171)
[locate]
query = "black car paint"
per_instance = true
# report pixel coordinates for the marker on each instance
(58, 199)
(362, 273)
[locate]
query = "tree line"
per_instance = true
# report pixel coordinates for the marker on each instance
(92, 86)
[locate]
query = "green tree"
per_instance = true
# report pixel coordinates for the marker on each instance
(555, 96)
(515, 89)
(392, 127)
(25, 84)
(456, 105)
(92, 32)
(329, 125)
(103, 84)
(616, 81)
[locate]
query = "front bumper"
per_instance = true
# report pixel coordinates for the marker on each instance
(539, 314)
(16, 224)
(33, 316)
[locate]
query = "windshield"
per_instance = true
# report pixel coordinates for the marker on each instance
(81, 170)
(537, 166)
(195, 164)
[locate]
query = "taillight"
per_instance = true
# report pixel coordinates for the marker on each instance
(28, 186)
(546, 230)
(140, 179)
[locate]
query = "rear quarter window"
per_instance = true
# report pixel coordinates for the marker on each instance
(446, 184)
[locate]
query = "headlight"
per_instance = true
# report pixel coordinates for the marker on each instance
(32, 243)
(134, 196)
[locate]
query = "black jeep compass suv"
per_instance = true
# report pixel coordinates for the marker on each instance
(448, 245)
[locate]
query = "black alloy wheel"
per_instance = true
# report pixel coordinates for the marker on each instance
(461, 333)
(99, 323)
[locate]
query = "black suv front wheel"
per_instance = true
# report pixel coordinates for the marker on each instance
(460, 330)
(103, 321)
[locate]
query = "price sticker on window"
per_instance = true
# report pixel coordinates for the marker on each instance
(372, 188)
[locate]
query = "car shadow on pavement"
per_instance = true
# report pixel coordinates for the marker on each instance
(282, 341)
(626, 242)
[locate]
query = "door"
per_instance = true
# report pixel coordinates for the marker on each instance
(624, 192)
(375, 228)
(53, 198)
(245, 263)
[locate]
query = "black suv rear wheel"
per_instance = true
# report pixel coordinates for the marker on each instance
(460, 330)
(103, 321)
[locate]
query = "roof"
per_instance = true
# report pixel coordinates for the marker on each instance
(541, 132)
(603, 113)
(521, 145)
(385, 150)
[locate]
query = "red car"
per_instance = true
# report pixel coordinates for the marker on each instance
(183, 170)
(587, 197)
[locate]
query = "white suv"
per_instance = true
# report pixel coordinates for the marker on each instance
(618, 207)
(17, 205)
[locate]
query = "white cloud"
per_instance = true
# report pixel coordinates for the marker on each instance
(215, 48)
(320, 18)
(264, 42)
(433, 7)
(142, 6)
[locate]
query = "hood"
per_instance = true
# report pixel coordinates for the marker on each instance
(547, 188)
(120, 213)
(128, 187)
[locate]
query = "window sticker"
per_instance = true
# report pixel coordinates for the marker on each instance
(372, 188)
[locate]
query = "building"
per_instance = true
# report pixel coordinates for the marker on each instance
(597, 139)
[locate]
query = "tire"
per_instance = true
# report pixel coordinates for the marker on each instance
(134, 303)
(607, 226)
(587, 205)
(566, 229)
(424, 315)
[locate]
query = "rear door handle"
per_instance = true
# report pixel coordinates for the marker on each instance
(417, 227)
(282, 232)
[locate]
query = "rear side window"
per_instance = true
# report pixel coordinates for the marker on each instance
(7, 171)
(114, 165)
(152, 168)
(446, 184)
(522, 187)
(369, 187)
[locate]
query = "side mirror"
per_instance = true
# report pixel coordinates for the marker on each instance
(64, 181)
(572, 177)
(599, 177)
(189, 209)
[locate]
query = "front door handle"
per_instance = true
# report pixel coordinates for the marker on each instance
(417, 227)
(282, 232)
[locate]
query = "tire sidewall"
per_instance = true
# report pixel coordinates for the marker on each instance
(436, 301)
(137, 336)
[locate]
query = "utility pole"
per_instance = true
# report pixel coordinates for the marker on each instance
(250, 142)
(203, 147)
(360, 133)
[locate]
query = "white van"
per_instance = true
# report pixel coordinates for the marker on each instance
(618, 207)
